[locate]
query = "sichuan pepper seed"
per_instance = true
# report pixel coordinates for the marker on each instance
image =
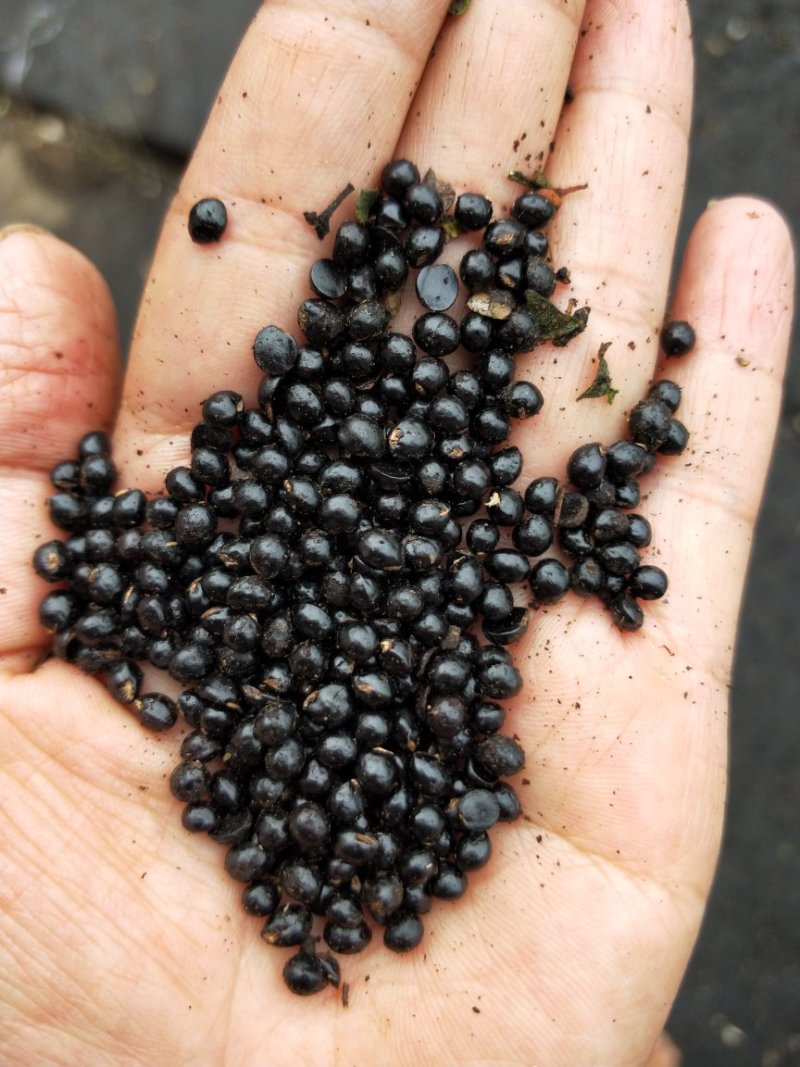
(314, 575)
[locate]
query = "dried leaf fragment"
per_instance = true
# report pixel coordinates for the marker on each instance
(601, 386)
(554, 325)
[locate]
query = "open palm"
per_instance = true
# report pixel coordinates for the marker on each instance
(121, 938)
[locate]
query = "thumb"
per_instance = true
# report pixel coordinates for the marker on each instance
(59, 377)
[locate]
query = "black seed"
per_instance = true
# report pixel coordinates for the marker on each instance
(436, 333)
(676, 440)
(156, 711)
(473, 852)
(207, 220)
(586, 577)
(667, 392)
(473, 211)
(533, 209)
(503, 236)
(478, 810)
(677, 338)
(403, 932)
(586, 466)
(274, 350)
(422, 202)
(549, 581)
(261, 899)
(347, 939)
(398, 176)
(647, 583)
(437, 287)
(361, 437)
(625, 612)
(328, 279)
(649, 423)
(290, 925)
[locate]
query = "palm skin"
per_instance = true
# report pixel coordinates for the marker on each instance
(121, 939)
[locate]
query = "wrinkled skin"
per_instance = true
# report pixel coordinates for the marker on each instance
(121, 938)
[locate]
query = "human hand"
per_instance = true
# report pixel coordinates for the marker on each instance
(122, 940)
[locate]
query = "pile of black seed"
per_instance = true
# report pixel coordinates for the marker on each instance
(318, 574)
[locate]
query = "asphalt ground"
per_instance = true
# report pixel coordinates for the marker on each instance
(100, 105)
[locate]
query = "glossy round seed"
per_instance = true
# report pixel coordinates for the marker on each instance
(677, 338)
(207, 220)
(647, 583)
(549, 581)
(473, 211)
(437, 287)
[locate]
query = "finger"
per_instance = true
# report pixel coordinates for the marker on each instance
(735, 286)
(59, 376)
(625, 134)
(315, 99)
(492, 94)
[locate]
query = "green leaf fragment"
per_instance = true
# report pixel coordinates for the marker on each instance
(537, 180)
(367, 199)
(451, 228)
(601, 386)
(458, 7)
(554, 325)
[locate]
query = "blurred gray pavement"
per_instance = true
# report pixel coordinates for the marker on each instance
(100, 102)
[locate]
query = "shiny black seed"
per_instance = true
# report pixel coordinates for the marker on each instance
(539, 276)
(328, 279)
(156, 711)
(51, 561)
(422, 202)
(649, 423)
(625, 612)
(549, 581)
(507, 565)
(437, 287)
(586, 466)
(503, 236)
(347, 939)
(391, 269)
(501, 756)
(505, 507)
(533, 209)
(541, 496)
(450, 883)
(403, 932)
(275, 351)
(361, 437)
(483, 536)
(667, 392)
(473, 211)
(398, 176)
(677, 338)
(473, 851)
(517, 333)
(382, 895)
(321, 322)
(496, 601)
(128, 508)
(624, 460)
(647, 583)
(477, 270)
(436, 333)
(620, 558)
(586, 577)
(424, 245)
(207, 220)
(639, 532)
(477, 810)
(290, 925)
(199, 817)
(261, 899)
(676, 440)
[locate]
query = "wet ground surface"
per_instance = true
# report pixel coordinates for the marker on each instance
(101, 105)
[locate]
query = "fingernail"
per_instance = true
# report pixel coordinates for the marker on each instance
(21, 227)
